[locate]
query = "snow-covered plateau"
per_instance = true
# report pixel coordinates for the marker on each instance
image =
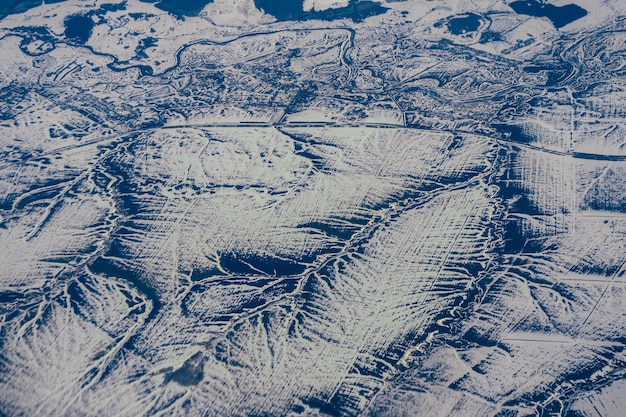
(313, 208)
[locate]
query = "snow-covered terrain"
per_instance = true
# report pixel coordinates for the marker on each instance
(319, 5)
(312, 207)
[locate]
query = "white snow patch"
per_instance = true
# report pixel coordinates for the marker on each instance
(319, 5)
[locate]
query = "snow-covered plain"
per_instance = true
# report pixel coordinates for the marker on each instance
(421, 212)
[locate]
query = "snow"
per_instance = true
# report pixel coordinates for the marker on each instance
(319, 5)
(252, 217)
